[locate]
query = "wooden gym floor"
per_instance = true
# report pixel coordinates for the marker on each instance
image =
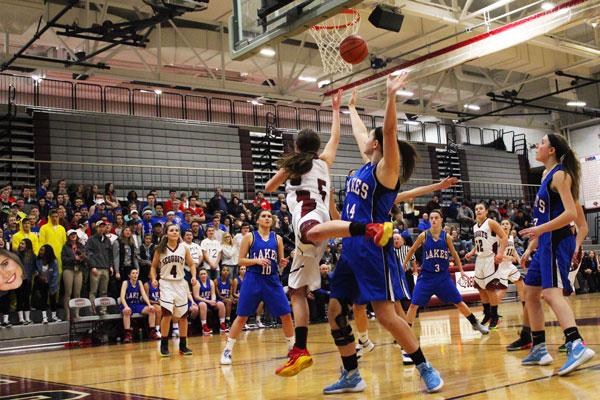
(472, 366)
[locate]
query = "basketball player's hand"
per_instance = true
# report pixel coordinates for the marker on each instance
(524, 259)
(448, 182)
(155, 283)
(532, 232)
(464, 276)
(499, 258)
(468, 256)
(283, 262)
(353, 99)
(395, 83)
(336, 100)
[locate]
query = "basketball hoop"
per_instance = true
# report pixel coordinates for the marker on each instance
(330, 34)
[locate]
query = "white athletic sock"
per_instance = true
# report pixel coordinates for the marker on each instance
(27, 315)
(20, 313)
(203, 322)
(44, 314)
(363, 337)
(5, 318)
(222, 320)
(230, 343)
(257, 319)
(290, 342)
(53, 314)
(175, 325)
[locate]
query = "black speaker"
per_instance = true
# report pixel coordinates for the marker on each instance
(386, 17)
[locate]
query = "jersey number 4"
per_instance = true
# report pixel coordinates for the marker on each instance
(173, 271)
(308, 203)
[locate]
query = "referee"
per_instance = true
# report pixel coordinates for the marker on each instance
(402, 244)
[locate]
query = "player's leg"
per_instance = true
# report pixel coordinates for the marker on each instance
(203, 310)
(524, 341)
(412, 314)
(365, 345)
(400, 330)
(260, 309)
(228, 304)
(158, 319)
(493, 299)
(301, 315)
(221, 309)
(149, 312)
(380, 233)
(485, 302)
(341, 330)
(464, 309)
(165, 325)
(126, 324)
(180, 313)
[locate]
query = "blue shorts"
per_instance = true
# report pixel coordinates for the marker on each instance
(135, 308)
(435, 283)
(551, 263)
(376, 273)
(266, 288)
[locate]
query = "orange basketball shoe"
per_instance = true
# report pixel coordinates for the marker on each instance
(299, 359)
(381, 233)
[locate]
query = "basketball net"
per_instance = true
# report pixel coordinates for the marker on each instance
(330, 34)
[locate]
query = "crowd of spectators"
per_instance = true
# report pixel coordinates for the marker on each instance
(81, 241)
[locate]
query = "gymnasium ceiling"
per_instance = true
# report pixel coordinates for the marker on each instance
(168, 58)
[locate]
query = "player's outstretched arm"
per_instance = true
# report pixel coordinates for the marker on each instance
(359, 130)
(277, 180)
(413, 249)
(330, 150)
(388, 169)
(423, 190)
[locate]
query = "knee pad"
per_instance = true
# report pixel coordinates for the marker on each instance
(343, 336)
(342, 318)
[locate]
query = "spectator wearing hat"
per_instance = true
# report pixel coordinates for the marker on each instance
(134, 216)
(25, 233)
(147, 221)
(172, 218)
(73, 257)
(99, 212)
(83, 232)
(99, 256)
(54, 235)
(169, 204)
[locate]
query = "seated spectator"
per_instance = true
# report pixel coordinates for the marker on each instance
(465, 215)
(235, 207)
(134, 300)
(169, 204)
(236, 284)
(100, 212)
(521, 220)
(132, 197)
(589, 267)
(186, 222)
(73, 260)
(45, 184)
(424, 223)
(319, 298)
(283, 212)
(45, 284)
(10, 228)
(154, 297)
(279, 202)
(452, 210)
(205, 296)
(260, 202)
(224, 293)
(519, 243)
(433, 204)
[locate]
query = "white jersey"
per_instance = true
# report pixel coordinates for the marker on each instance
(172, 263)
(510, 250)
(311, 191)
(485, 240)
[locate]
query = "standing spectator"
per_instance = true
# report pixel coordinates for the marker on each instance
(235, 206)
(25, 233)
(195, 209)
(28, 259)
(589, 267)
(150, 202)
(408, 211)
(219, 227)
(55, 235)
(125, 255)
(168, 205)
(195, 252)
(119, 224)
(45, 184)
(109, 195)
(132, 197)
(147, 221)
(402, 245)
(157, 232)
(279, 202)
(146, 253)
(159, 216)
(197, 231)
(50, 199)
(217, 202)
(11, 228)
(230, 254)
(452, 211)
(211, 253)
(465, 215)
(424, 223)
(99, 212)
(99, 254)
(45, 286)
(320, 297)
(433, 204)
(73, 256)
(61, 186)
(237, 239)
(260, 202)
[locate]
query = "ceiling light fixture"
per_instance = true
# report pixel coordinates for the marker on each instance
(267, 52)
(473, 107)
(576, 103)
(411, 122)
(309, 79)
(405, 93)
(323, 83)
(546, 6)
(158, 91)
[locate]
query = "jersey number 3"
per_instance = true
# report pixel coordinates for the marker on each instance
(309, 204)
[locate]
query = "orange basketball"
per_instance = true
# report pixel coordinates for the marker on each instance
(354, 49)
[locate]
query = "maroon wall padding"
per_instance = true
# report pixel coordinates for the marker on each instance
(464, 173)
(246, 161)
(288, 142)
(41, 140)
(524, 170)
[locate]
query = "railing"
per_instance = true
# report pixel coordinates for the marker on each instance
(180, 104)
(143, 178)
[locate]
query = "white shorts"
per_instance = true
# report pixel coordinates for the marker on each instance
(174, 296)
(307, 257)
(507, 271)
(485, 271)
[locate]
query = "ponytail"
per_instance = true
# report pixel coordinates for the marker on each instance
(296, 164)
(566, 156)
(408, 155)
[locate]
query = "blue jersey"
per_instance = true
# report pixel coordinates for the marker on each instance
(436, 256)
(153, 293)
(224, 287)
(548, 204)
(205, 289)
(133, 294)
(367, 200)
(262, 248)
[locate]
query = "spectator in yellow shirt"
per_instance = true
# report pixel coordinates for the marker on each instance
(55, 235)
(25, 233)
